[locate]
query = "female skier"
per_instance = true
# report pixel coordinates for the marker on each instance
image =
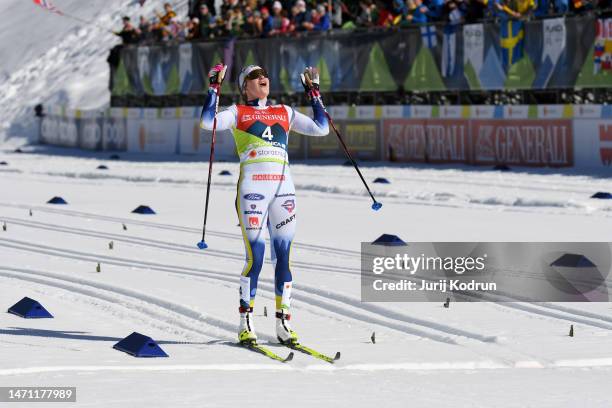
(266, 195)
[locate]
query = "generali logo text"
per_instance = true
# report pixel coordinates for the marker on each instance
(546, 143)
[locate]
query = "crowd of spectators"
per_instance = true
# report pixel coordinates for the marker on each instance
(209, 19)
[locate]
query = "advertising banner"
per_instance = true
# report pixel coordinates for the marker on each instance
(523, 142)
(363, 139)
(593, 143)
(426, 140)
(519, 135)
(49, 130)
(91, 130)
(152, 134)
(68, 134)
(536, 54)
(361, 136)
(60, 128)
(114, 131)
(324, 147)
(191, 134)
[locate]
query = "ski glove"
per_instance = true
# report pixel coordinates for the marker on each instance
(310, 81)
(216, 75)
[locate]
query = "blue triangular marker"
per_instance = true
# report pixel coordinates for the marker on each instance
(573, 261)
(389, 240)
(57, 200)
(603, 195)
(143, 209)
(139, 345)
(29, 309)
(382, 180)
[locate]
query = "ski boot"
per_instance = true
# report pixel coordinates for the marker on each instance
(284, 333)
(246, 330)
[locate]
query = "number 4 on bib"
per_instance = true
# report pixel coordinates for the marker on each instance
(267, 134)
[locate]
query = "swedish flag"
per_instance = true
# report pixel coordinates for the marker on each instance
(511, 38)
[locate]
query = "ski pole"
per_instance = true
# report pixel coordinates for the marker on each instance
(202, 243)
(306, 79)
(375, 205)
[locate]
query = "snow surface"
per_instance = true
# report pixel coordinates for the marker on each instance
(54, 59)
(155, 281)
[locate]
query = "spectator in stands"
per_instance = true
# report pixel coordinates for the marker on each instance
(338, 10)
(323, 22)
(578, 6)
(516, 8)
(399, 8)
(436, 9)
(300, 17)
(492, 9)
(385, 17)
(193, 29)
(219, 29)
(194, 7)
(368, 15)
(129, 34)
(235, 21)
(266, 22)
(453, 11)
(252, 5)
(319, 20)
(294, 13)
(419, 11)
(476, 10)
(145, 28)
(229, 5)
(280, 22)
(156, 31)
(252, 18)
(165, 19)
(542, 8)
(249, 27)
(174, 30)
(207, 20)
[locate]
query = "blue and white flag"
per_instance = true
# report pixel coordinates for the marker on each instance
(449, 51)
(428, 35)
(160, 73)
